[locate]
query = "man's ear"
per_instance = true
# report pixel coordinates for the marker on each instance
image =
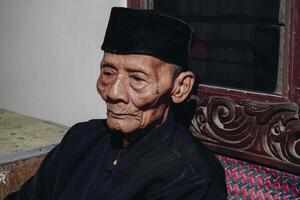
(182, 86)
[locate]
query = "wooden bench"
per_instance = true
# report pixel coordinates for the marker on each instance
(24, 141)
(257, 143)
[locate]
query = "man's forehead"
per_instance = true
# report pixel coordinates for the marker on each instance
(132, 61)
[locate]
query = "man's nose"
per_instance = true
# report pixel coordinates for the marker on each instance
(118, 91)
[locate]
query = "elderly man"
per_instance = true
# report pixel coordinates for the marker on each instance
(139, 151)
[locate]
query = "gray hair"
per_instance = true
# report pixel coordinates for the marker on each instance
(176, 70)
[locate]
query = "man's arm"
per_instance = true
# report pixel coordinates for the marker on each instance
(193, 188)
(197, 179)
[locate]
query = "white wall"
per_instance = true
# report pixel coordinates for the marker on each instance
(49, 57)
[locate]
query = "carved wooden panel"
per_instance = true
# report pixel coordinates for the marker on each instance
(266, 133)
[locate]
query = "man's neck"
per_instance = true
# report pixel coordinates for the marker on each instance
(125, 143)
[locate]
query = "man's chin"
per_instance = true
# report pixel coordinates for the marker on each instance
(122, 125)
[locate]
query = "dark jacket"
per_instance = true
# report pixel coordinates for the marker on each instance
(167, 163)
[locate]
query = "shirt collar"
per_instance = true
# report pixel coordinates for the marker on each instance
(149, 138)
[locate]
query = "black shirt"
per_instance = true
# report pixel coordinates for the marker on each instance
(167, 163)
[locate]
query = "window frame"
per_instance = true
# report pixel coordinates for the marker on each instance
(288, 88)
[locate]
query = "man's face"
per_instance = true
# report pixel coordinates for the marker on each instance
(136, 89)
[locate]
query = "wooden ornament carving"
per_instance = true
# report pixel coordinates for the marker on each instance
(267, 133)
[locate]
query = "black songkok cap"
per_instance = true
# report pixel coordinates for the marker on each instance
(132, 31)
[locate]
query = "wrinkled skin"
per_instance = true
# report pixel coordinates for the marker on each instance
(137, 90)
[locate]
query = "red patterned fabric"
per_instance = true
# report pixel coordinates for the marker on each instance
(249, 181)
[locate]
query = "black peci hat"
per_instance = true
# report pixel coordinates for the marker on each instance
(150, 33)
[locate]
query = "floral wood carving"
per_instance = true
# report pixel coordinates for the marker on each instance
(267, 133)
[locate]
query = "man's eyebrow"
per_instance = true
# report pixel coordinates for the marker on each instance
(130, 68)
(136, 69)
(107, 64)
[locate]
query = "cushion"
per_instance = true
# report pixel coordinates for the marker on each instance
(249, 181)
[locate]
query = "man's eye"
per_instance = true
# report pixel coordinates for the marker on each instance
(137, 78)
(107, 73)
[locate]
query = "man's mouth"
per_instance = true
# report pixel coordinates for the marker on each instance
(118, 115)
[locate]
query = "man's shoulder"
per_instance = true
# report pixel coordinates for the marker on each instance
(87, 127)
(79, 140)
(90, 124)
(186, 159)
(83, 133)
(199, 159)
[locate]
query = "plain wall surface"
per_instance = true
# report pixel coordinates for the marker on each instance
(49, 57)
